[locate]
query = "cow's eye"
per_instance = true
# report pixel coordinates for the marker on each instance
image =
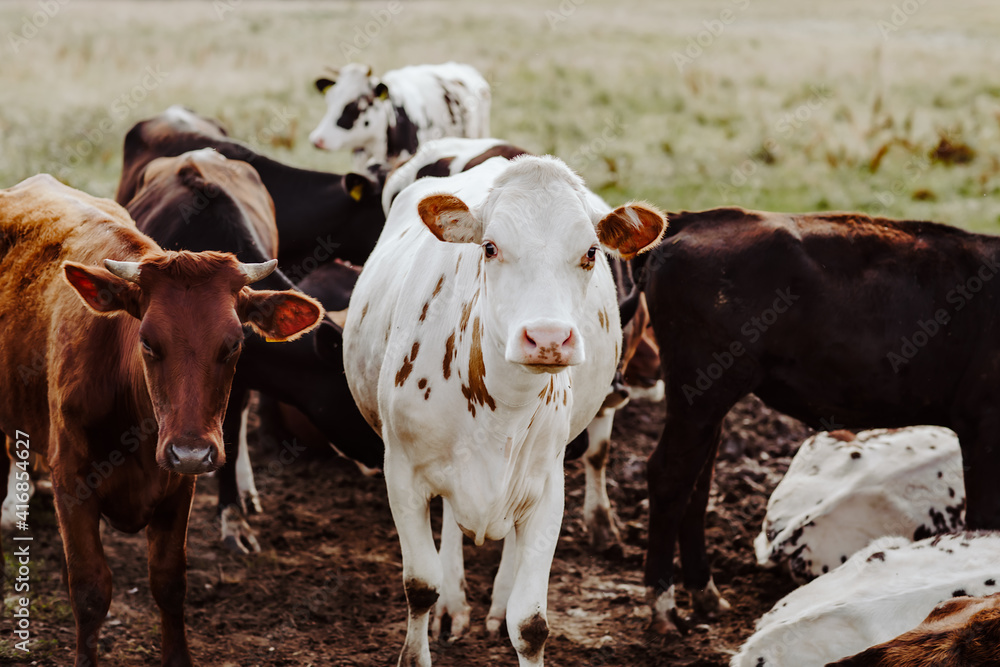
(147, 349)
(592, 253)
(232, 350)
(490, 249)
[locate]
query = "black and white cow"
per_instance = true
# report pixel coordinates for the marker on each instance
(883, 590)
(482, 336)
(384, 120)
(843, 490)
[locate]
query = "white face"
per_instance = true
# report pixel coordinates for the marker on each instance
(539, 249)
(352, 117)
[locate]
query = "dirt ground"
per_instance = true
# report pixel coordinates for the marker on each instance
(326, 589)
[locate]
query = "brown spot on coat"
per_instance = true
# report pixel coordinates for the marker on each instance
(364, 311)
(534, 632)
(407, 367)
(419, 596)
(449, 354)
(422, 383)
(476, 392)
(423, 312)
(600, 319)
(440, 284)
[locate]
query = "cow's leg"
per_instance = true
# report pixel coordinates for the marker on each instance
(244, 469)
(236, 532)
(88, 575)
(452, 601)
(8, 519)
(167, 535)
(536, 544)
(672, 473)
(503, 584)
(422, 573)
(597, 513)
(705, 597)
(981, 466)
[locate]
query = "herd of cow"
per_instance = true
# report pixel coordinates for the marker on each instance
(493, 280)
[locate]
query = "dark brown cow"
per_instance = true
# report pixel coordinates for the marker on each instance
(120, 376)
(203, 201)
(320, 215)
(839, 320)
(961, 632)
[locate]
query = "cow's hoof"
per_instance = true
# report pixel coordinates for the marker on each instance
(671, 623)
(493, 626)
(460, 621)
(603, 534)
(709, 602)
(666, 617)
(251, 500)
(237, 536)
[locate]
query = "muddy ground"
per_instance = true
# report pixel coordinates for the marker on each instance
(326, 589)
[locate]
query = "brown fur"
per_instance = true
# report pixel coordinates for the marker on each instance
(962, 632)
(506, 151)
(476, 391)
(87, 398)
(618, 230)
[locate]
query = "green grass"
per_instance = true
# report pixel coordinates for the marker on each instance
(794, 106)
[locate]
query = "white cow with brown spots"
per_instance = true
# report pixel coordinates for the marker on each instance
(482, 335)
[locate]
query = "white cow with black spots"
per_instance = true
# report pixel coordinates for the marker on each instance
(882, 591)
(384, 120)
(843, 490)
(482, 335)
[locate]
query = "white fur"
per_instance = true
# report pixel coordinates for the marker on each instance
(499, 467)
(420, 90)
(838, 496)
(882, 591)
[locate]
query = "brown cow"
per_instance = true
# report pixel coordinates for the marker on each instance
(120, 376)
(960, 632)
(840, 320)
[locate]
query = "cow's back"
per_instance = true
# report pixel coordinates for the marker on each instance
(817, 305)
(451, 94)
(42, 224)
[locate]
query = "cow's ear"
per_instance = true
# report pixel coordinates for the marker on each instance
(324, 84)
(101, 290)
(358, 186)
(278, 316)
(329, 343)
(450, 219)
(631, 229)
(381, 91)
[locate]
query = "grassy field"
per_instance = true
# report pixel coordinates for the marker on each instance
(887, 107)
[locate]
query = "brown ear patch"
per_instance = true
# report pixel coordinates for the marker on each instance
(280, 316)
(632, 229)
(102, 291)
(448, 218)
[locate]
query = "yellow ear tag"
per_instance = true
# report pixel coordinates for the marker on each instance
(357, 191)
(268, 339)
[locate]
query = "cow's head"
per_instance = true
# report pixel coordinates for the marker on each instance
(355, 111)
(191, 309)
(542, 234)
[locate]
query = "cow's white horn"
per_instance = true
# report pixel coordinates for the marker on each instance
(255, 272)
(125, 270)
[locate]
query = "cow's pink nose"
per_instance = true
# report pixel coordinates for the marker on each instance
(548, 345)
(319, 143)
